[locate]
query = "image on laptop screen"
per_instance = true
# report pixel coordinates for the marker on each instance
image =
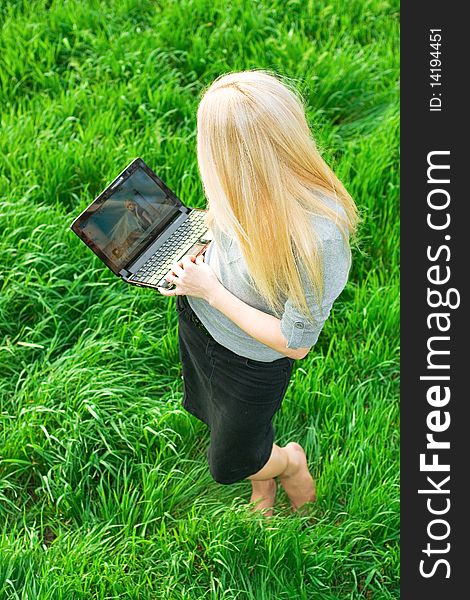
(122, 223)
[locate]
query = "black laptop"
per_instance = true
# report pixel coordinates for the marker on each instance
(138, 227)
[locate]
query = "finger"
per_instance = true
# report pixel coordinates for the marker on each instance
(186, 260)
(176, 269)
(165, 292)
(200, 259)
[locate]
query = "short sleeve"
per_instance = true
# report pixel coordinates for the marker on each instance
(301, 332)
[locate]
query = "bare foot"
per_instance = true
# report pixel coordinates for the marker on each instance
(296, 479)
(264, 494)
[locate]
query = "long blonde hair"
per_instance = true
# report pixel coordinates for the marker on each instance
(263, 178)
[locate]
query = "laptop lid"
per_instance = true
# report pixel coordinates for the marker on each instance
(127, 216)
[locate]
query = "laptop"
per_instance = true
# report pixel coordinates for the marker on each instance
(138, 227)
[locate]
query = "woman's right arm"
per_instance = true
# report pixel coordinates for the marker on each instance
(256, 323)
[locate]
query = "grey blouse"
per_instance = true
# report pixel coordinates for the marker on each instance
(225, 257)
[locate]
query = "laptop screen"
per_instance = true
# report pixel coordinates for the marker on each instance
(126, 217)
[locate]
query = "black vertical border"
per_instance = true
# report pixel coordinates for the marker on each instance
(423, 131)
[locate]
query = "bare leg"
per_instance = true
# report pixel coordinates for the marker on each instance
(264, 486)
(290, 464)
(297, 479)
(277, 464)
(264, 495)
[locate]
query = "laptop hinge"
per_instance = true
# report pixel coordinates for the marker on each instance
(124, 273)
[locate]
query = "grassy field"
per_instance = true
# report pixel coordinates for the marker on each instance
(104, 487)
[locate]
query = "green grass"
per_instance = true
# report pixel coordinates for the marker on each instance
(104, 487)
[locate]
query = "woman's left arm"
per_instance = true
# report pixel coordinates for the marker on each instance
(196, 278)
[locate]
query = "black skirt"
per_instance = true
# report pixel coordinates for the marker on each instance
(235, 396)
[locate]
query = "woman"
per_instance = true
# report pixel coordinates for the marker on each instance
(281, 222)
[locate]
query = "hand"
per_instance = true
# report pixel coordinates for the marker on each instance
(192, 277)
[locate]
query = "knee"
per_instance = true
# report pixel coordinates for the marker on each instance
(219, 474)
(224, 471)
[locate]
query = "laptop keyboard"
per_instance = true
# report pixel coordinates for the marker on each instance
(181, 240)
